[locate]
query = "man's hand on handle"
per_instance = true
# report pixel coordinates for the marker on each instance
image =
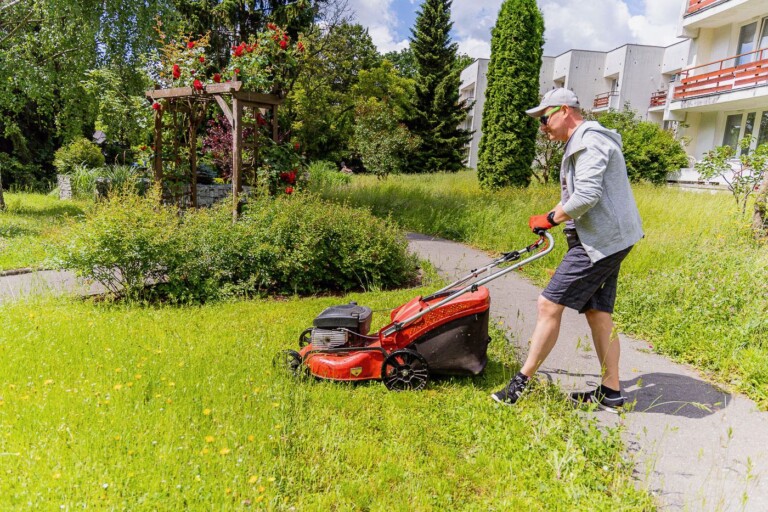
(542, 222)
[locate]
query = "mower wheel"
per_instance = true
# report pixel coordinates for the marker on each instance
(305, 337)
(289, 360)
(405, 370)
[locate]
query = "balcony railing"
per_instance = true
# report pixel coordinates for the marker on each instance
(603, 100)
(697, 5)
(658, 99)
(745, 70)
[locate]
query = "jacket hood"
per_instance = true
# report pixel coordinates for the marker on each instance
(575, 144)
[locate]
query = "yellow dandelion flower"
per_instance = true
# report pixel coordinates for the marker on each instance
(261, 489)
(169, 401)
(129, 384)
(48, 382)
(224, 451)
(137, 376)
(275, 405)
(172, 384)
(198, 478)
(206, 412)
(271, 479)
(228, 490)
(56, 476)
(253, 480)
(204, 451)
(259, 499)
(118, 370)
(251, 437)
(209, 439)
(278, 427)
(118, 387)
(117, 438)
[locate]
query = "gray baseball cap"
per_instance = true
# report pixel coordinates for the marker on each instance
(555, 98)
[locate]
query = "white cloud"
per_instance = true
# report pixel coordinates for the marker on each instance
(381, 21)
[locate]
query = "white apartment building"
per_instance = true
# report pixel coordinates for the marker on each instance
(712, 86)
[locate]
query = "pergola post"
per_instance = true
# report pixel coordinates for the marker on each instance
(237, 156)
(193, 157)
(158, 163)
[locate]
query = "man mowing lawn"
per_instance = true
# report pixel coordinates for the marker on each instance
(602, 224)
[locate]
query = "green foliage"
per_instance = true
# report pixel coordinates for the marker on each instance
(324, 174)
(321, 104)
(743, 176)
(176, 408)
(293, 245)
(437, 113)
(508, 145)
(19, 175)
(79, 152)
(549, 157)
(385, 146)
(120, 178)
(404, 62)
(650, 151)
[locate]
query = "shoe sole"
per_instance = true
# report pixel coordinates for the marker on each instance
(502, 402)
(602, 407)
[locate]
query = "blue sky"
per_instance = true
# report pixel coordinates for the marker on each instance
(583, 24)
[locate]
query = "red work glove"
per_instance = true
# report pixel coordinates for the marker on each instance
(539, 222)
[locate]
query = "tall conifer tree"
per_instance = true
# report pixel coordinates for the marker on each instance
(437, 111)
(508, 145)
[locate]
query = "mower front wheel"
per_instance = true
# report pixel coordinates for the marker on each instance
(405, 370)
(290, 361)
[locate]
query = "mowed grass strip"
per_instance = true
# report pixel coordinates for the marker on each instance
(166, 408)
(696, 287)
(28, 226)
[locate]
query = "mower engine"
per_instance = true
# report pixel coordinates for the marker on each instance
(340, 326)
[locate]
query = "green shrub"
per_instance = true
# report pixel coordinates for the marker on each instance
(289, 245)
(383, 142)
(78, 152)
(122, 243)
(324, 174)
(123, 178)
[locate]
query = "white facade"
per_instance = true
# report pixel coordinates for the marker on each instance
(473, 84)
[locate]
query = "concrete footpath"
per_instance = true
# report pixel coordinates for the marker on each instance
(696, 446)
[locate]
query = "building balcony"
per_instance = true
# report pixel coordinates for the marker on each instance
(603, 100)
(744, 71)
(718, 13)
(658, 99)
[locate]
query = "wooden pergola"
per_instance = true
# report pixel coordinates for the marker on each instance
(232, 101)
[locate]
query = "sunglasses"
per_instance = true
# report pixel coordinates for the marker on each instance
(545, 118)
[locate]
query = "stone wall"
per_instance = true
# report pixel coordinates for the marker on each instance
(64, 183)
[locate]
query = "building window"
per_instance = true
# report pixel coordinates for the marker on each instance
(746, 44)
(744, 125)
(732, 131)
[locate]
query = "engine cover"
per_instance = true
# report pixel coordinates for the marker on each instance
(347, 316)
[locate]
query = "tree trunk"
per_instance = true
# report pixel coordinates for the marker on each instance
(760, 215)
(2, 199)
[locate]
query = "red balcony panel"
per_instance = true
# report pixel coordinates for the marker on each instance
(658, 99)
(603, 100)
(697, 5)
(726, 75)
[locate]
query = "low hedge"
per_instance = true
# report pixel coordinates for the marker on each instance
(296, 244)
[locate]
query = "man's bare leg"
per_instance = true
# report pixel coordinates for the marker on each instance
(544, 334)
(607, 346)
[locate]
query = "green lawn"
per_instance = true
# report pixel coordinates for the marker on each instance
(29, 224)
(164, 408)
(696, 287)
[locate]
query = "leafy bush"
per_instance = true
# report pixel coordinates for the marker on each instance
(121, 178)
(650, 151)
(282, 245)
(19, 175)
(123, 242)
(80, 151)
(324, 174)
(382, 142)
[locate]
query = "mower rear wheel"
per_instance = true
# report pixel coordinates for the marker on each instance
(405, 370)
(289, 360)
(305, 337)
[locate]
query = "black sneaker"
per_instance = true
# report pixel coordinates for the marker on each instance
(598, 397)
(513, 391)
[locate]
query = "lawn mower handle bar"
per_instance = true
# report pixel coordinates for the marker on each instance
(544, 236)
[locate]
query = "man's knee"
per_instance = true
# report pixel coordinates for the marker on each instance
(547, 308)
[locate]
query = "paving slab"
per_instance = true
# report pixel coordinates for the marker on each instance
(696, 446)
(28, 284)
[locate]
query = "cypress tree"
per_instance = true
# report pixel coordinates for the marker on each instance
(508, 145)
(437, 112)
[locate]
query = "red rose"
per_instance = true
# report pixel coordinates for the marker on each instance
(289, 190)
(284, 176)
(201, 59)
(143, 148)
(176, 71)
(271, 26)
(191, 45)
(156, 106)
(300, 46)
(296, 146)
(216, 78)
(283, 44)
(239, 50)
(292, 177)
(198, 85)
(260, 120)
(237, 71)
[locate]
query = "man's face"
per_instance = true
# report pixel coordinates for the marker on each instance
(556, 127)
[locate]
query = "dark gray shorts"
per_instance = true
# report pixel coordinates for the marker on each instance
(582, 285)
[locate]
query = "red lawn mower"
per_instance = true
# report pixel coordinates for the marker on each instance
(445, 333)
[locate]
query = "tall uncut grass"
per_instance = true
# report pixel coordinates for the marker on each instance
(30, 224)
(696, 286)
(136, 408)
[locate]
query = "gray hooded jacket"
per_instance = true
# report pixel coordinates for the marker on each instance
(596, 192)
